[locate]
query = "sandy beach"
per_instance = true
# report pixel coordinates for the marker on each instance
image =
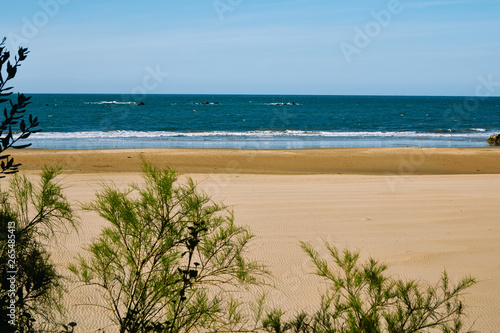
(421, 211)
(369, 161)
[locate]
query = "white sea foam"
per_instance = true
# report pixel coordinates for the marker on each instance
(479, 133)
(283, 104)
(111, 102)
(476, 129)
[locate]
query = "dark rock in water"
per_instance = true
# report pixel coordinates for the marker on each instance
(494, 140)
(206, 103)
(141, 103)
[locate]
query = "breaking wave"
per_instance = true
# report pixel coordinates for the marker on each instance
(111, 102)
(476, 133)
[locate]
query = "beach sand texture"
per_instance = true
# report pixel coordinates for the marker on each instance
(428, 214)
(377, 161)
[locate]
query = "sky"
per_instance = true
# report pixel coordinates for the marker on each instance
(323, 47)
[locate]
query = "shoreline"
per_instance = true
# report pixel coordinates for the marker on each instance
(361, 161)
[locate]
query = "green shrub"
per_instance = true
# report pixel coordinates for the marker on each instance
(30, 217)
(360, 298)
(169, 258)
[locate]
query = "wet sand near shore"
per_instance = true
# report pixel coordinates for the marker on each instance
(301, 161)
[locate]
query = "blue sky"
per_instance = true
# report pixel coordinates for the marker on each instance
(365, 47)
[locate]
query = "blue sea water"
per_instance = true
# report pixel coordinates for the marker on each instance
(82, 121)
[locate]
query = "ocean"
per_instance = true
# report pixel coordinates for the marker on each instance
(93, 121)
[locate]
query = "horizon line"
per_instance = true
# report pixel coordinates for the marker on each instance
(254, 94)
